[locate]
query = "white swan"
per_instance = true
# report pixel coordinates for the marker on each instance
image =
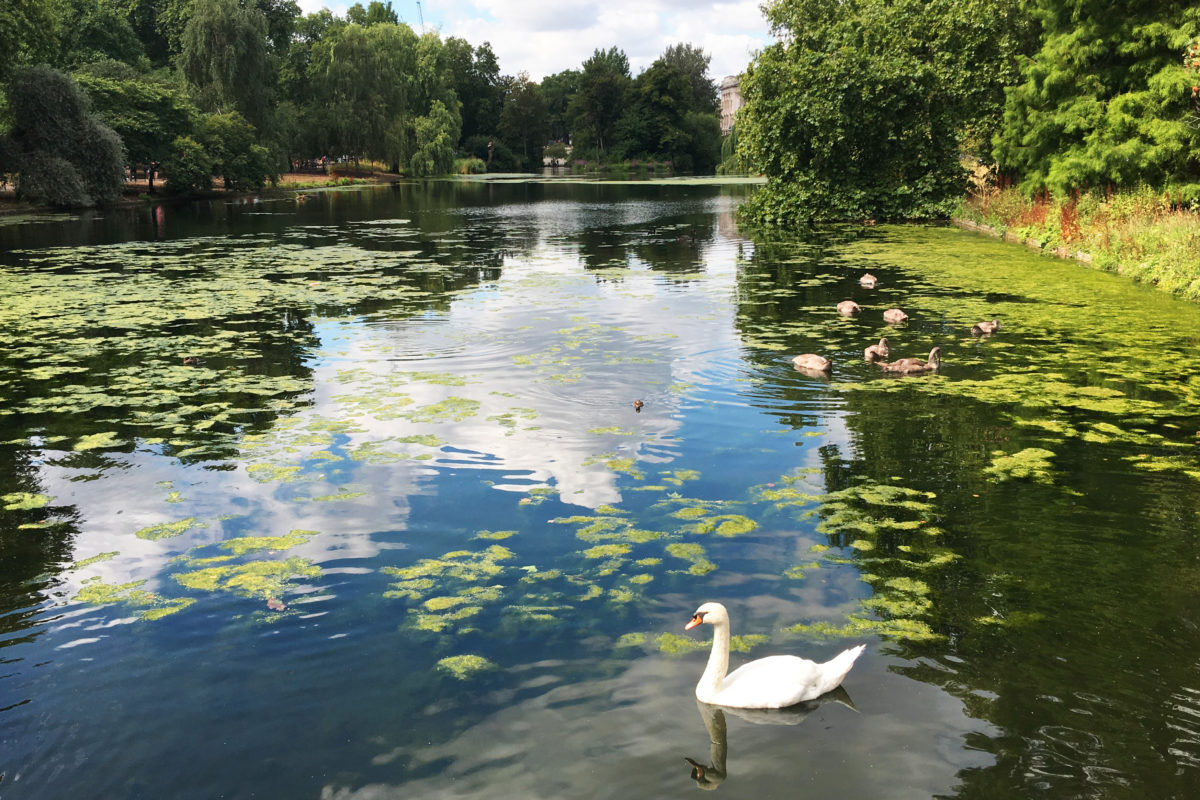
(772, 682)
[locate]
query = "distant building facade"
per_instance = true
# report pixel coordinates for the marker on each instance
(731, 101)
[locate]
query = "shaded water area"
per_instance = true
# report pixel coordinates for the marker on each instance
(347, 498)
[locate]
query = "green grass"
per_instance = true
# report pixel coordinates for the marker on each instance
(1138, 233)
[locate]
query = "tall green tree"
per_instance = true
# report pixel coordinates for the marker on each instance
(224, 59)
(523, 121)
(1106, 100)
(862, 108)
(28, 33)
(693, 63)
(475, 78)
(147, 114)
(600, 99)
(64, 155)
(558, 89)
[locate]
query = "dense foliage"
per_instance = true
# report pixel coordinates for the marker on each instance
(862, 108)
(1107, 100)
(67, 156)
(237, 91)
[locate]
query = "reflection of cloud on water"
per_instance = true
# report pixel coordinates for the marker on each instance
(627, 737)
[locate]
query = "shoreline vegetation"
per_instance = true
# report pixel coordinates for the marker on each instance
(1141, 234)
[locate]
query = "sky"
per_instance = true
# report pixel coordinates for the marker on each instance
(542, 39)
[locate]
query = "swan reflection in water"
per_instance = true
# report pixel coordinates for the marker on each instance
(713, 775)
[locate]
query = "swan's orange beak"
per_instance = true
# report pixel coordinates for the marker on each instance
(696, 620)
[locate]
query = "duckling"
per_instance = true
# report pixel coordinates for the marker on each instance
(985, 328)
(877, 351)
(192, 361)
(911, 366)
(848, 308)
(868, 280)
(637, 406)
(895, 316)
(811, 362)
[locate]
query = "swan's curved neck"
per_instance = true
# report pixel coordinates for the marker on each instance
(718, 663)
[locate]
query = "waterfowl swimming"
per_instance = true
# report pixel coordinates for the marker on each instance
(894, 315)
(811, 362)
(877, 351)
(192, 361)
(868, 280)
(912, 365)
(985, 328)
(771, 682)
(637, 406)
(848, 308)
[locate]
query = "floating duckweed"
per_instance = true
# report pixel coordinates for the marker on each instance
(443, 603)
(592, 593)
(674, 644)
(268, 473)
(612, 429)
(747, 642)
(465, 667)
(606, 551)
(735, 525)
(96, 559)
(690, 551)
(902, 629)
(631, 640)
(642, 578)
(425, 439)
(460, 564)
(24, 501)
(862, 545)
(498, 535)
(452, 409)
(410, 589)
(263, 579)
(690, 513)
(1032, 463)
(798, 572)
(625, 466)
(620, 594)
(337, 496)
(165, 530)
(648, 562)
(95, 441)
(248, 544)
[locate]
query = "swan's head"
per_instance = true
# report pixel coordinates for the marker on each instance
(711, 613)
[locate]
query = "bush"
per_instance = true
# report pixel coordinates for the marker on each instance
(469, 166)
(47, 178)
(189, 167)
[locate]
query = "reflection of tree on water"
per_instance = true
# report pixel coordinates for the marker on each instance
(709, 777)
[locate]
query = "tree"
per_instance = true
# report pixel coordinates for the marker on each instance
(64, 155)
(147, 115)
(475, 78)
(435, 136)
(28, 33)
(1106, 101)
(693, 63)
(671, 116)
(861, 109)
(523, 121)
(557, 90)
(224, 58)
(600, 100)
(94, 30)
(229, 140)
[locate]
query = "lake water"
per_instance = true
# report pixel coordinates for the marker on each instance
(346, 497)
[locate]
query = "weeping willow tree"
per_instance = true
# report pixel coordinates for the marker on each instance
(224, 59)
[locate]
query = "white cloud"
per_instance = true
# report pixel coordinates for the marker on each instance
(541, 40)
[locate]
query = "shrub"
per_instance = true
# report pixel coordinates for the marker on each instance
(189, 167)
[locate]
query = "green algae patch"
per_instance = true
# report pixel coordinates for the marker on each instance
(734, 525)
(630, 640)
(497, 535)
(452, 409)
(249, 544)
(747, 642)
(673, 644)
(693, 553)
(96, 559)
(859, 626)
(606, 551)
(24, 501)
(166, 530)
(270, 473)
(145, 605)
(1032, 463)
(96, 441)
(258, 579)
(336, 497)
(465, 667)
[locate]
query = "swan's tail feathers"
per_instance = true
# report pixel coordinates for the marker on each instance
(837, 667)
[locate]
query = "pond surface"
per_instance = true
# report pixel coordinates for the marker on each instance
(347, 498)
